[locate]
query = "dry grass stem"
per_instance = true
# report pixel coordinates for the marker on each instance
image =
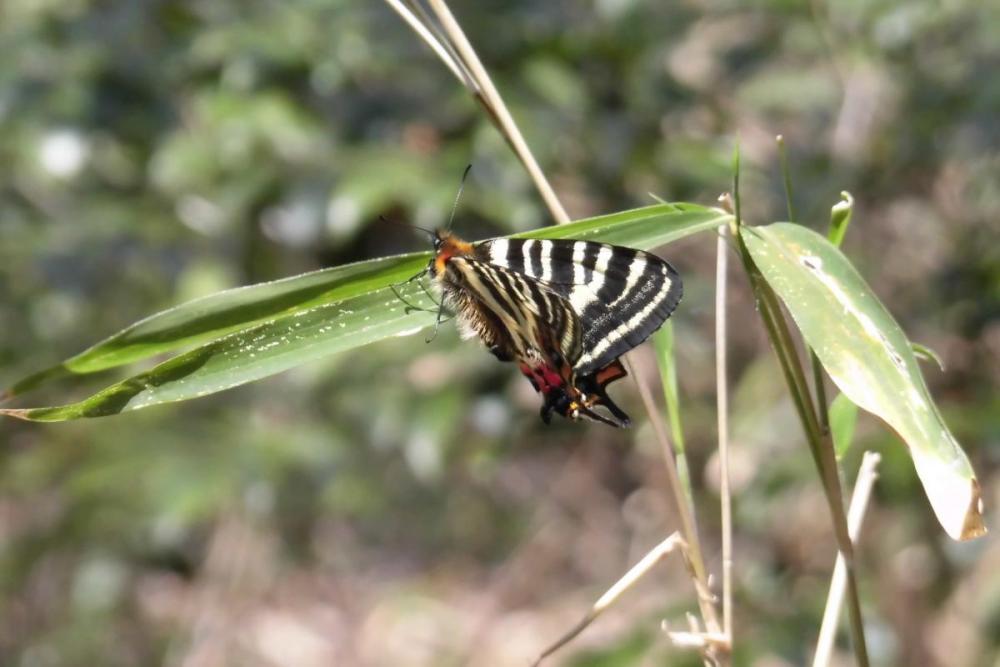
(496, 104)
(467, 78)
(438, 46)
(701, 641)
(686, 512)
(454, 49)
(867, 475)
(650, 560)
(722, 412)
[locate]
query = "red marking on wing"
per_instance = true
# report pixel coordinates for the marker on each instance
(543, 378)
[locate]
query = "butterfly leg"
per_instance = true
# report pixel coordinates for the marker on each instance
(578, 410)
(546, 412)
(621, 418)
(410, 307)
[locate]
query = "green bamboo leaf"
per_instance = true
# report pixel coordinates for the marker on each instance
(217, 315)
(257, 331)
(870, 360)
(843, 417)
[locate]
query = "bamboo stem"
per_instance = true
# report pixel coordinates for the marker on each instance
(636, 572)
(688, 529)
(816, 427)
(455, 45)
(867, 475)
(424, 32)
(820, 445)
(722, 415)
(496, 103)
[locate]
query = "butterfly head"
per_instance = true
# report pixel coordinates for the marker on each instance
(446, 246)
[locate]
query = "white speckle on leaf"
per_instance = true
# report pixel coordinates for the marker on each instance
(408, 332)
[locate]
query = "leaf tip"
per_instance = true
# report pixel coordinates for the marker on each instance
(953, 491)
(974, 526)
(17, 413)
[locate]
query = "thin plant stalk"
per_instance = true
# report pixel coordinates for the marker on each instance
(820, 443)
(506, 121)
(867, 475)
(722, 414)
(786, 177)
(438, 46)
(467, 78)
(450, 44)
(686, 513)
(489, 98)
(822, 407)
(637, 571)
(820, 446)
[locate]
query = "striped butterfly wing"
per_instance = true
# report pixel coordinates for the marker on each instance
(620, 295)
(526, 317)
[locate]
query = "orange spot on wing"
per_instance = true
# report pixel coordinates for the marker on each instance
(610, 373)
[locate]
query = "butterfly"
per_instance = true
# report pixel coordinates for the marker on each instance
(565, 311)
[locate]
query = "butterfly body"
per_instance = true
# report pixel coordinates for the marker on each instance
(564, 310)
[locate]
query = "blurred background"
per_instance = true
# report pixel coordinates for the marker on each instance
(406, 506)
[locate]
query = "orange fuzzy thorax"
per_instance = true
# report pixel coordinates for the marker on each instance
(451, 246)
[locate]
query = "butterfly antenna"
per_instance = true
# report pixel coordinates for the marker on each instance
(407, 224)
(461, 186)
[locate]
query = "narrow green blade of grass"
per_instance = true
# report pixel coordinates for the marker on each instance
(663, 344)
(257, 331)
(870, 360)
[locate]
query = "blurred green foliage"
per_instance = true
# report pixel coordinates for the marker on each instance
(403, 505)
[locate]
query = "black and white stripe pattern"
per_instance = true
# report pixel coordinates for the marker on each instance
(535, 318)
(620, 295)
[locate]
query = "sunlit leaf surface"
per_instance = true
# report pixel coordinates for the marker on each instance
(232, 310)
(253, 332)
(870, 359)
